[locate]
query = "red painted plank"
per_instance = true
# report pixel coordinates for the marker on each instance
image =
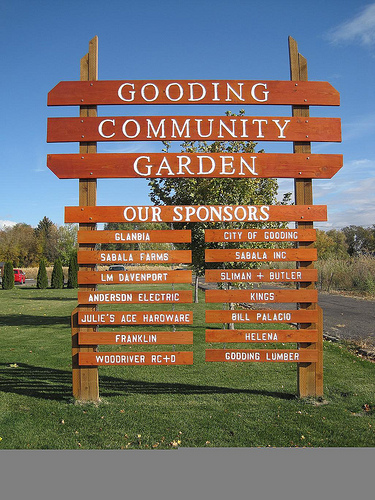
(262, 355)
(260, 275)
(156, 165)
(180, 128)
(261, 296)
(128, 237)
(134, 338)
(136, 297)
(135, 358)
(133, 277)
(261, 336)
(197, 213)
(261, 255)
(135, 318)
(233, 235)
(262, 316)
(134, 257)
(69, 93)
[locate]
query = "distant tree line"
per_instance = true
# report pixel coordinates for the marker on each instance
(26, 246)
(351, 241)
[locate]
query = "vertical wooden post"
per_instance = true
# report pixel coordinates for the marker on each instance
(85, 379)
(309, 375)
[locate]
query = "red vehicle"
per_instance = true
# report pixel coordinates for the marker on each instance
(19, 276)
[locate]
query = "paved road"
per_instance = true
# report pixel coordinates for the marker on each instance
(348, 318)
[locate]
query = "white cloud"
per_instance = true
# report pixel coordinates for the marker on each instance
(6, 223)
(359, 29)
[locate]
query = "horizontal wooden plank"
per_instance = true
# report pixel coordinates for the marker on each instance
(128, 237)
(136, 297)
(197, 213)
(263, 355)
(262, 296)
(70, 93)
(262, 316)
(221, 165)
(180, 128)
(260, 275)
(133, 277)
(135, 358)
(261, 336)
(135, 318)
(234, 235)
(134, 257)
(261, 255)
(134, 338)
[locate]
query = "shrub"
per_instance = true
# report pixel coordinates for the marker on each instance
(57, 278)
(8, 276)
(42, 279)
(73, 272)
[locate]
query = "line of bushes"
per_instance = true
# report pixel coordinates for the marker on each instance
(353, 274)
(57, 277)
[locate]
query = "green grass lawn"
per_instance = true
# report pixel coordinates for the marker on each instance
(165, 407)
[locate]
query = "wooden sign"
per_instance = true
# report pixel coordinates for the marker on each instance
(134, 257)
(190, 128)
(262, 355)
(135, 358)
(128, 237)
(262, 296)
(261, 336)
(133, 277)
(135, 318)
(260, 275)
(131, 297)
(197, 213)
(234, 235)
(223, 165)
(135, 338)
(261, 255)
(192, 92)
(262, 316)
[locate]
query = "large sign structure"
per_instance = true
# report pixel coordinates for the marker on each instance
(88, 166)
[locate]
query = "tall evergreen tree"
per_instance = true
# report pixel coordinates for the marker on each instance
(73, 272)
(42, 279)
(8, 276)
(57, 279)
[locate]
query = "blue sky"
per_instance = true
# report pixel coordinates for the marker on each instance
(42, 43)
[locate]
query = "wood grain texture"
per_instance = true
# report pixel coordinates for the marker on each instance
(70, 93)
(261, 296)
(197, 213)
(261, 316)
(135, 318)
(134, 256)
(233, 235)
(156, 165)
(135, 358)
(177, 128)
(261, 255)
(136, 297)
(136, 338)
(133, 277)
(261, 355)
(260, 275)
(251, 336)
(131, 237)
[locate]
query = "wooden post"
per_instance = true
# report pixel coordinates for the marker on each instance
(85, 379)
(309, 375)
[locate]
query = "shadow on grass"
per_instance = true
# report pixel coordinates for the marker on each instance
(55, 384)
(60, 299)
(31, 320)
